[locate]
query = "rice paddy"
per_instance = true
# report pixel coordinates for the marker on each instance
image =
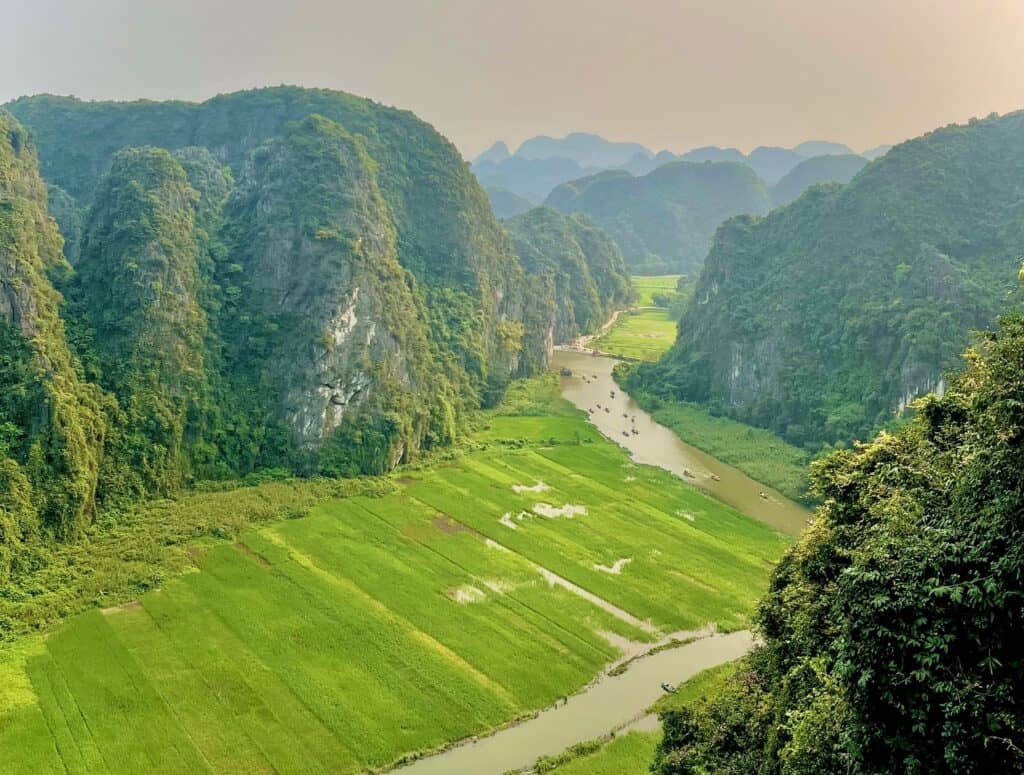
(643, 334)
(378, 628)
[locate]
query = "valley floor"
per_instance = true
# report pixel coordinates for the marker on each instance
(642, 334)
(473, 590)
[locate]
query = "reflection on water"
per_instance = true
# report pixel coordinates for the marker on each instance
(611, 703)
(591, 388)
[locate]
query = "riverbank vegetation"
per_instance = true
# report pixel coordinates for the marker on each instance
(822, 320)
(631, 753)
(892, 630)
(408, 612)
(758, 453)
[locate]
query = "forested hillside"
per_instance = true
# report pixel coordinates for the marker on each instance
(892, 630)
(580, 263)
(824, 319)
(817, 169)
(665, 220)
(279, 278)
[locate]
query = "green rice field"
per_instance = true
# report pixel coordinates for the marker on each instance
(643, 334)
(376, 628)
(647, 285)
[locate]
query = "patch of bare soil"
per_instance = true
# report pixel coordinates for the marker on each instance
(451, 527)
(260, 559)
(131, 605)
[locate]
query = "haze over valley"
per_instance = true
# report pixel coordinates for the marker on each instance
(337, 436)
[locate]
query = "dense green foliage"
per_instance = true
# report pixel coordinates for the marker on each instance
(758, 453)
(582, 263)
(137, 292)
(277, 278)
(52, 424)
(664, 221)
(817, 169)
(365, 629)
(892, 631)
(825, 318)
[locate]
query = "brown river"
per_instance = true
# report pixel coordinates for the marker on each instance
(591, 384)
(614, 703)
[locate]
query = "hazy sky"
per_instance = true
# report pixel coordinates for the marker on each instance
(668, 73)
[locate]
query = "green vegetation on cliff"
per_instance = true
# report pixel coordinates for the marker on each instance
(137, 292)
(824, 319)
(818, 169)
(582, 263)
(280, 278)
(664, 221)
(892, 630)
(52, 423)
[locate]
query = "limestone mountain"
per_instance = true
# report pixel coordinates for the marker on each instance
(507, 204)
(824, 319)
(346, 351)
(810, 148)
(818, 169)
(531, 179)
(281, 278)
(664, 221)
(585, 148)
(497, 153)
(772, 163)
(137, 293)
(52, 423)
(583, 264)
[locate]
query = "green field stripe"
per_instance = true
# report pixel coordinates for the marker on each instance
(79, 751)
(530, 614)
(132, 725)
(621, 531)
(366, 679)
(29, 745)
(506, 640)
(428, 641)
(211, 726)
(56, 722)
(287, 733)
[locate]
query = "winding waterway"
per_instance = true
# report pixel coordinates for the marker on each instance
(590, 387)
(613, 702)
(620, 702)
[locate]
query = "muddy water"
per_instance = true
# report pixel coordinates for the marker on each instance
(613, 702)
(655, 444)
(620, 702)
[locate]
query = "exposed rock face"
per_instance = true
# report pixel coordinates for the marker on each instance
(446, 233)
(348, 301)
(319, 254)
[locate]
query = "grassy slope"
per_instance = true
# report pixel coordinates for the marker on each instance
(337, 641)
(629, 754)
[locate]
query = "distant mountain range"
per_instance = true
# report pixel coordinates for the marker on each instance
(542, 163)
